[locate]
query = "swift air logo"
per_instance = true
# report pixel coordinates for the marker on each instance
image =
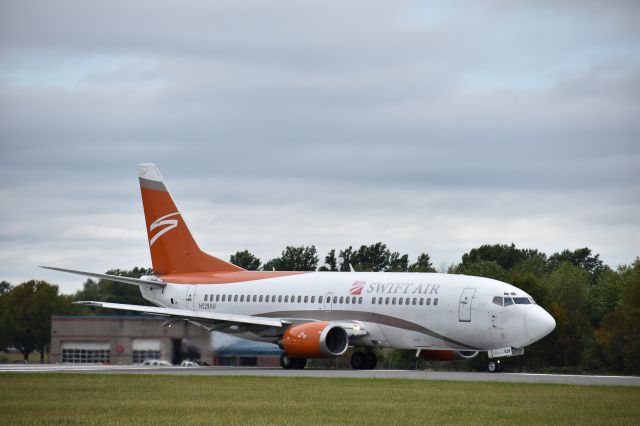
(162, 221)
(356, 288)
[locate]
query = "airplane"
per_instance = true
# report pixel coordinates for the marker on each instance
(321, 314)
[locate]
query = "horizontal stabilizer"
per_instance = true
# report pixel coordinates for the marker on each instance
(188, 314)
(127, 280)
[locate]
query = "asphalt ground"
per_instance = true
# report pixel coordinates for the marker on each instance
(278, 372)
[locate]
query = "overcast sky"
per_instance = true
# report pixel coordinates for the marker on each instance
(430, 126)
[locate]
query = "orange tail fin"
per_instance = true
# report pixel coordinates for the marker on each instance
(173, 249)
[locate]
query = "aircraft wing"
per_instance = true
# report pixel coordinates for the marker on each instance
(191, 315)
(118, 278)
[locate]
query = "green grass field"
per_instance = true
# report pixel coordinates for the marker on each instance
(58, 398)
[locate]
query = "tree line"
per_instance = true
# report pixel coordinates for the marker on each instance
(596, 307)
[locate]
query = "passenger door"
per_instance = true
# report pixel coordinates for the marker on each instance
(464, 307)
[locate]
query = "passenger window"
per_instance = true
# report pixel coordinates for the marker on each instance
(255, 297)
(400, 301)
(286, 299)
(373, 300)
(421, 301)
(341, 299)
(360, 300)
(235, 298)
(335, 299)
(346, 300)
(205, 297)
(414, 301)
(386, 301)
(306, 299)
(508, 301)
(406, 302)
(313, 299)
(242, 298)
(300, 299)
(497, 300)
(260, 299)
(217, 297)
(223, 297)
(293, 299)
(428, 301)
(435, 301)
(319, 299)
(279, 299)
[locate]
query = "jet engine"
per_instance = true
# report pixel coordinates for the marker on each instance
(314, 340)
(446, 355)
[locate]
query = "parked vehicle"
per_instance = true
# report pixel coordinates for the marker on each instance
(157, 362)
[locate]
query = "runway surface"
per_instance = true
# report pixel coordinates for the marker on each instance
(375, 374)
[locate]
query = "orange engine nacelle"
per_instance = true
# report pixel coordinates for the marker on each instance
(445, 355)
(315, 340)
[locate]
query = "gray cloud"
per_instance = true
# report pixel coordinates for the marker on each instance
(429, 126)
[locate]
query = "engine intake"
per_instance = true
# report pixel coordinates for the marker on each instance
(315, 340)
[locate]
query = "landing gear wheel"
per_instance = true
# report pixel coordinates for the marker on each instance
(299, 363)
(287, 362)
(494, 366)
(358, 361)
(371, 360)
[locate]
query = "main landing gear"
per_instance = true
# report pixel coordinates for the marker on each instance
(364, 360)
(494, 366)
(289, 363)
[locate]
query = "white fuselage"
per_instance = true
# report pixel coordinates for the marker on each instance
(399, 310)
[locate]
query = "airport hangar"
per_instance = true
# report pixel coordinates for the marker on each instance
(129, 339)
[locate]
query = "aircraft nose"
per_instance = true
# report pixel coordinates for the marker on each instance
(538, 323)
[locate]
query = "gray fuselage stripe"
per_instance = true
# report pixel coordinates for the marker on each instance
(372, 317)
(152, 184)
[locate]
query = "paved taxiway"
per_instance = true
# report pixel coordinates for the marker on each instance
(377, 374)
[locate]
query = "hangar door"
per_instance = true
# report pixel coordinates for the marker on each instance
(143, 349)
(85, 352)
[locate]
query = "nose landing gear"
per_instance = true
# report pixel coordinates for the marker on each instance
(494, 366)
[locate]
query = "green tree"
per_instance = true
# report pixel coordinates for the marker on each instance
(482, 268)
(398, 263)
(245, 260)
(568, 289)
(5, 287)
(347, 257)
(619, 335)
(331, 261)
(423, 264)
(581, 258)
(504, 255)
(27, 316)
(303, 258)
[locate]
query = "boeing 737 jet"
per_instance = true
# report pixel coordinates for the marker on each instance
(322, 314)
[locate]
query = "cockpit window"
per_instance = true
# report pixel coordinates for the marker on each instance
(522, 300)
(508, 301)
(497, 300)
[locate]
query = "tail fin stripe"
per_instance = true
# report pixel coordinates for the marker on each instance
(153, 184)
